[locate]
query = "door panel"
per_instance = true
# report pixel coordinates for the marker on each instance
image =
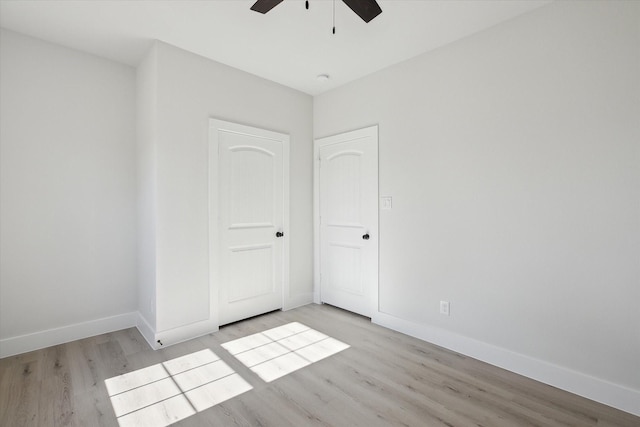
(251, 193)
(251, 210)
(252, 270)
(342, 171)
(344, 272)
(348, 201)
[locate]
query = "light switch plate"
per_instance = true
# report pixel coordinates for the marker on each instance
(385, 202)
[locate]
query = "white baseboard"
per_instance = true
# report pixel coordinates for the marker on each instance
(47, 338)
(602, 391)
(146, 330)
(184, 333)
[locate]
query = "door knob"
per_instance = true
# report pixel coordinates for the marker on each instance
(279, 234)
(366, 236)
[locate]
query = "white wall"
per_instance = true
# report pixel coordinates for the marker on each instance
(189, 90)
(146, 115)
(67, 192)
(513, 159)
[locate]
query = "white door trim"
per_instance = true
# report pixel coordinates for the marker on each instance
(317, 144)
(214, 217)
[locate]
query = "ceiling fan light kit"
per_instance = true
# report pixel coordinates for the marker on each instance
(365, 9)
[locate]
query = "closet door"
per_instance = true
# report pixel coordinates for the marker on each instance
(348, 201)
(252, 205)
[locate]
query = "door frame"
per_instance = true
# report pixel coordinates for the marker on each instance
(317, 144)
(214, 209)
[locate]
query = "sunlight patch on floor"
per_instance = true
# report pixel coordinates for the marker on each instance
(171, 391)
(279, 351)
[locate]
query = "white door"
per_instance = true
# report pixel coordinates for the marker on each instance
(348, 205)
(252, 208)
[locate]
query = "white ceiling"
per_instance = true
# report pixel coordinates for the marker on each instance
(289, 45)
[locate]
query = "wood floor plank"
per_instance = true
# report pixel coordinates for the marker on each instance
(55, 405)
(19, 399)
(383, 379)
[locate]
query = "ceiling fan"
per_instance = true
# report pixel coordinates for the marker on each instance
(365, 9)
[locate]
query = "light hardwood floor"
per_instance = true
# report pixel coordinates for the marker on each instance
(384, 378)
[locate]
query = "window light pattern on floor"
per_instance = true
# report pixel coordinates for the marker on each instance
(168, 392)
(279, 351)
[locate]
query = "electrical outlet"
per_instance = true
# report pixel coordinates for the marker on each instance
(444, 307)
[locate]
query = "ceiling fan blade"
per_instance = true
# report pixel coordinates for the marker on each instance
(365, 9)
(264, 6)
